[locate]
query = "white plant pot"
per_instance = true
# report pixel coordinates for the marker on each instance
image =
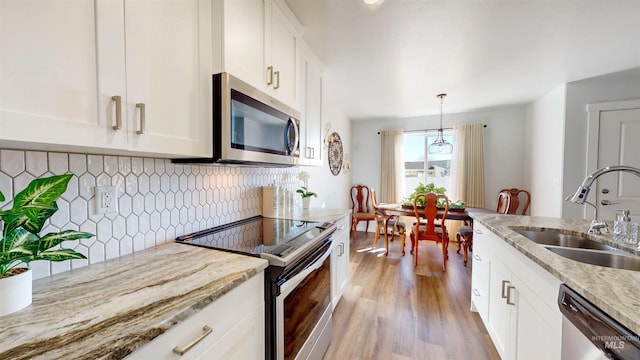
(15, 292)
(305, 202)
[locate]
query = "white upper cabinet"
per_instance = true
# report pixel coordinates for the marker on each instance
(311, 100)
(257, 42)
(49, 92)
(74, 79)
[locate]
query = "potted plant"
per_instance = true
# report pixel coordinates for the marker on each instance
(304, 190)
(422, 189)
(20, 243)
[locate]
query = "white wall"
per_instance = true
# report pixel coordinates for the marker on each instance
(333, 191)
(543, 153)
(619, 86)
(504, 145)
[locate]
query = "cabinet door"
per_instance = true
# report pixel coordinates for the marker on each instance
(282, 53)
(480, 274)
(168, 62)
(311, 105)
(53, 88)
(243, 40)
(539, 331)
(499, 324)
(340, 260)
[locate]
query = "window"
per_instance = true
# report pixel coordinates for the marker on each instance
(422, 167)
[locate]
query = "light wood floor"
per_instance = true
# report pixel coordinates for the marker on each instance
(393, 310)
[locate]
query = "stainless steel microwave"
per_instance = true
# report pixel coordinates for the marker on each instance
(250, 127)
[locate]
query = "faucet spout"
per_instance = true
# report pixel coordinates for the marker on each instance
(580, 197)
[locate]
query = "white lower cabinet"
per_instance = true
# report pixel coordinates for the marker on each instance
(516, 299)
(340, 260)
(236, 322)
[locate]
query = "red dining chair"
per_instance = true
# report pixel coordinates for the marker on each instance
(508, 203)
(429, 225)
(361, 210)
(393, 223)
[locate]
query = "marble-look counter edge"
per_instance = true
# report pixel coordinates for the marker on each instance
(107, 310)
(615, 291)
(315, 214)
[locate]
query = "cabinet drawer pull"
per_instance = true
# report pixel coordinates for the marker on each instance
(476, 292)
(341, 249)
(182, 350)
(478, 231)
(340, 227)
(270, 77)
(477, 257)
(509, 288)
(277, 76)
(142, 118)
(504, 282)
(118, 101)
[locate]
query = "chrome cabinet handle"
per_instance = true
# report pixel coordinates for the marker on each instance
(504, 282)
(118, 101)
(183, 350)
(607, 202)
(476, 292)
(142, 118)
(277, 75)
(340, 227)
(310, 152)
(478, 231)
(477, 257)
(270, 77)
(509, 288)
(341, 246)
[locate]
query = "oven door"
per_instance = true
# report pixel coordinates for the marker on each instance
(303, 308)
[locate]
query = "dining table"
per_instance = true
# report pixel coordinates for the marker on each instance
(391, 210)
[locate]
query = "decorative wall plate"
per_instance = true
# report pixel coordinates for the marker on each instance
(335, 154)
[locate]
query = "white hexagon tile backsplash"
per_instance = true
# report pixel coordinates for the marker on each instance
(157, 200)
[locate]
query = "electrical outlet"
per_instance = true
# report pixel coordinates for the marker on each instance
(106, 199)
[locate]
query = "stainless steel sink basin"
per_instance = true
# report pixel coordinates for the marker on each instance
(556, 238)
(597, 257)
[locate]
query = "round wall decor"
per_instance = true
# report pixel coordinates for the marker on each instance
(335, 153)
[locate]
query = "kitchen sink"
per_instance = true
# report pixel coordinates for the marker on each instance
(598, 257)
(557, 238)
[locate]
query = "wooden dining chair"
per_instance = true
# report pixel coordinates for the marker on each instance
(508, 203)
(360, 208)
(513, 204)
(430, 225)
(393, 223)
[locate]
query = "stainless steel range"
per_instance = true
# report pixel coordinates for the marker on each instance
(297, 280)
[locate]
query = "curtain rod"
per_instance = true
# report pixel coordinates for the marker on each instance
(426, 130)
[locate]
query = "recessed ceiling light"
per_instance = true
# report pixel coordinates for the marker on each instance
(373, 2)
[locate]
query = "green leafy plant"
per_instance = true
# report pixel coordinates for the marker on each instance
(423, 189)
(20, 243)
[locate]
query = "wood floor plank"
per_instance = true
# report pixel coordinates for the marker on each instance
(395, 310)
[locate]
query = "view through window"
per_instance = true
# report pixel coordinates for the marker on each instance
(422, 167)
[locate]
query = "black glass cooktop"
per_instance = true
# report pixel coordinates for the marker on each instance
(258, 235)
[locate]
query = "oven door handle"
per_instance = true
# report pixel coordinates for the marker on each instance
(290, 284)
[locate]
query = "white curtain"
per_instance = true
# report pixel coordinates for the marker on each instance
(467, 174)
(391, 166)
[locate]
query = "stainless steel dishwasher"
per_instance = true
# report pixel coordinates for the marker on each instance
(588, 333)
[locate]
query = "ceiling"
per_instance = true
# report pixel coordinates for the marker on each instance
(391, 60)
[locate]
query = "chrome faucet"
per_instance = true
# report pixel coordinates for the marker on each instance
(580, 197)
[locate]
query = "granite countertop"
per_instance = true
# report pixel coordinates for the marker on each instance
(107, 310)
(315, 214)
(615, 291)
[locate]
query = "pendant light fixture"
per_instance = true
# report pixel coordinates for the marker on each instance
(440, 145)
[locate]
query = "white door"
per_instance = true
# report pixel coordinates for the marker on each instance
(618, 145)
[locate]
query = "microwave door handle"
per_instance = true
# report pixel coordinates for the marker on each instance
(292, 124)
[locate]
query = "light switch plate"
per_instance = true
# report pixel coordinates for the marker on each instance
(106, 199)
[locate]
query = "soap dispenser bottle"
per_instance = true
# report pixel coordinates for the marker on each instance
(624, 230)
